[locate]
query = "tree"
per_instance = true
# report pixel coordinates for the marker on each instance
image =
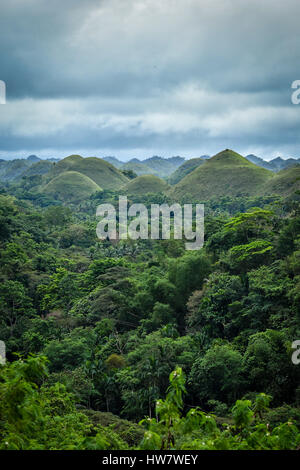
(187, 274)
(72, 350)
(57, 216)
(213, 310)
(252, 224)
(115, 361)
(147, 372)
(197, 430)
(15, 310)
(268, 366)
(37, 417)
(8, 212)
(13, 259)
(243, 258)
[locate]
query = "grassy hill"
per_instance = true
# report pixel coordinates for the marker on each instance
(285, 182)
(71, 186)
(101, 172)
(225, 174)
(145, 184)
(184, 169)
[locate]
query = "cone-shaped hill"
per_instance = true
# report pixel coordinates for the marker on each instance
(285, 182)
(145, 184)
(225, 174)
(71, 186)
(101, 172)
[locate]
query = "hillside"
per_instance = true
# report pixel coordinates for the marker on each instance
(13, 169)
(225, 174)
(101, 172)
(284, 183)
(145, 184)
(184, 169)
(71, 186)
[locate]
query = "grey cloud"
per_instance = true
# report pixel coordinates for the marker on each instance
(117, 47)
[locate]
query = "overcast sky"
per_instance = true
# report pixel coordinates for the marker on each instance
(135, 78)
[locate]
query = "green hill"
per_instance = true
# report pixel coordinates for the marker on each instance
(225, 174)
(101, 172)
(145, 184)
(285, 182)
(184, 169)
(71, 186)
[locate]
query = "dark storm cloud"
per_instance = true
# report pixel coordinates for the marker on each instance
(181, 76)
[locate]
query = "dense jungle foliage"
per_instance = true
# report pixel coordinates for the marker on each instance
(142, 344)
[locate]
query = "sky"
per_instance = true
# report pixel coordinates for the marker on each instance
(136, 78)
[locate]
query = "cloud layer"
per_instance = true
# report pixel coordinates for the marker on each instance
(141, 77)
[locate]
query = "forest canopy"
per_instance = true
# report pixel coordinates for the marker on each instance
(95, 329)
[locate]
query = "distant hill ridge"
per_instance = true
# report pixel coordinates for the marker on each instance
(225, 174)
(155, 165)
(15, 169)
(104, 174)
(276, 164)
(164, 167)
